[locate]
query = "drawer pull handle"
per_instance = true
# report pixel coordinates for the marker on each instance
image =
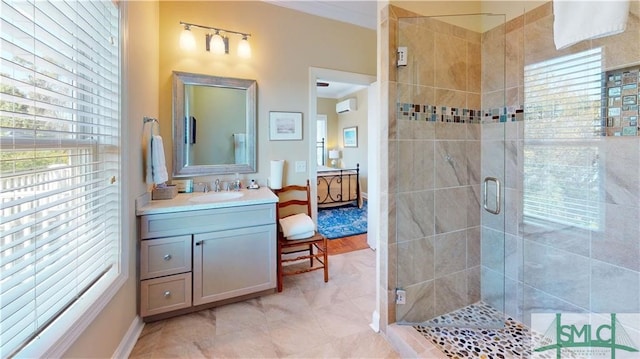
(167, 294)
(167, 257)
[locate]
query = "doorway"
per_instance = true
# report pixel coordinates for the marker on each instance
(372, 157)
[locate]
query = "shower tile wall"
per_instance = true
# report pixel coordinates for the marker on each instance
(436, 241)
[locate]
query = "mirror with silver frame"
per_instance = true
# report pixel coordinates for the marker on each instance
(214, 125)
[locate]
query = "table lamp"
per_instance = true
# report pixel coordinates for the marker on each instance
(333, 156)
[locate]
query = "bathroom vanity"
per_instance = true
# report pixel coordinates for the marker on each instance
(204, 249)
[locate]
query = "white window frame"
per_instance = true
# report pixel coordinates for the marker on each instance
(59, 336)
(321, 133)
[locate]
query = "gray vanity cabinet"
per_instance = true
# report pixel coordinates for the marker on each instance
(192, 258)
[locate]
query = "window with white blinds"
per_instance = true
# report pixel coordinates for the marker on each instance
(59, 161)
(563, 125)
(321, 139)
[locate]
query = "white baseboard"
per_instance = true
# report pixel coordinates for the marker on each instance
(364, 195)
(375, 321)
(130, 338)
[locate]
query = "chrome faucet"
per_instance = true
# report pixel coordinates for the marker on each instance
(217, 185)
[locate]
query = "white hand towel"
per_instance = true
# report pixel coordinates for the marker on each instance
(575, 21)
(147, 157)
(296, 224)
(158, 165)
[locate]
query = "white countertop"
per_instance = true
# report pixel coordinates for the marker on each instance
(182, 203)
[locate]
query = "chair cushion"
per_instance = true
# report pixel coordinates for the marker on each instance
(301, 236)
(296, 224)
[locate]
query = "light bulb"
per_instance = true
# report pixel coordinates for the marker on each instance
(244, 49)
(216, 44)
(187, 41)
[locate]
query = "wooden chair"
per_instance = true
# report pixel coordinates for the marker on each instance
(296, 199)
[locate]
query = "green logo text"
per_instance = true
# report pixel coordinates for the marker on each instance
(608, 335)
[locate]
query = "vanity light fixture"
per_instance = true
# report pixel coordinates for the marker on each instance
(187, 41)
(244, 49)
(217, 44)
(216, 41)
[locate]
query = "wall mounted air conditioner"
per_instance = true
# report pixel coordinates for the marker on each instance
(346, 105)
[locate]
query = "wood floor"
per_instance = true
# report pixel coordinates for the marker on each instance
(348, 244)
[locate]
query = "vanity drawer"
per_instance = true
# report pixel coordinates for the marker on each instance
(206, 220)
(165, 294)
(165, 256)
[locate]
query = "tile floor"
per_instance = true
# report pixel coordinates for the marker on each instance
(309, 319)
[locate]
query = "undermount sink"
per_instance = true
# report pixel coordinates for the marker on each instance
(216, 196)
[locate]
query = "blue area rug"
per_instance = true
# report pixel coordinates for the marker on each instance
(342, 221)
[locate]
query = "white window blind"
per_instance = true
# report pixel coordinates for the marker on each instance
(563, 109)
(59, 160)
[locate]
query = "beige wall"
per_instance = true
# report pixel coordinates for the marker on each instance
(107, 331)
(351, 156)
(284, 45)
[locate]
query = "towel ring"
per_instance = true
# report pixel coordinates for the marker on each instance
(154, 122)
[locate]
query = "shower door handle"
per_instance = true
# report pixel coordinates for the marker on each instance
(498, 196)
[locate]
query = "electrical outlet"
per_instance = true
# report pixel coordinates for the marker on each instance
(402, 56)
(401, 296)
(301, 166)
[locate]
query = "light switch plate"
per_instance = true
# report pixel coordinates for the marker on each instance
(402, 56)
(301, 166)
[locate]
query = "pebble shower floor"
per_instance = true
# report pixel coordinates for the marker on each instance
(473, 341)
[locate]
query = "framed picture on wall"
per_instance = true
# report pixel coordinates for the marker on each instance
(285, 126)
(350, 136)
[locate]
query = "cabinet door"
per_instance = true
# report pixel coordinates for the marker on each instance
(232, 263)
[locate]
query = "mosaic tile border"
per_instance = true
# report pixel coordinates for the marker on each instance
(622, 93)
(621, 110)
(432, 113)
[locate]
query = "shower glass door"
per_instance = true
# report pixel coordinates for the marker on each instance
(581, 193)
(452, 122)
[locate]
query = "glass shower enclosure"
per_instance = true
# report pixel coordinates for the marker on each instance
(451, 267)
(517, 174)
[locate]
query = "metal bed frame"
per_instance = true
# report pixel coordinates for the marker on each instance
(341, 179)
